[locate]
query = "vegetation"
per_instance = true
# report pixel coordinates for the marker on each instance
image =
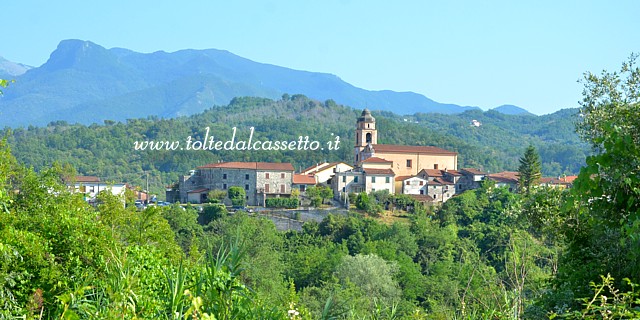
(484, 254)
(529, 170)
(107, 150)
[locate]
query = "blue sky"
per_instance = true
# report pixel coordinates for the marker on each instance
(481, 53)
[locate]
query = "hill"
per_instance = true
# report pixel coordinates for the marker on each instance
(108, 150)
(511, 109)
(84, 82)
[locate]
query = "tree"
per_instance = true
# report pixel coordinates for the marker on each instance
(372, 274)
(603, 221)
(3, 84)
(238, 196)
(216, 195)
(529, 170)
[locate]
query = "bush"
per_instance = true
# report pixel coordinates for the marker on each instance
(289, 203)
(316, 202)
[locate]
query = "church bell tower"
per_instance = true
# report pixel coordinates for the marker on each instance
(366, 135)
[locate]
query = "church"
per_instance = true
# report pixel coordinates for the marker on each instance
(407, 160)
(425, 171)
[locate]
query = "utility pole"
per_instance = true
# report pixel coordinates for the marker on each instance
(148, 199)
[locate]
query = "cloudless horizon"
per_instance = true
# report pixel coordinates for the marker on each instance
(470, 53)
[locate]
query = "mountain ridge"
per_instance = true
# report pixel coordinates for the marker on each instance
(82, 81)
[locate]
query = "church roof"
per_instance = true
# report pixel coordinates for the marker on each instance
(376, 160)
(392, 148)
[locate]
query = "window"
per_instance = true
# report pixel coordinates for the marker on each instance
(282, 176)
(435, 166)
(266, 175)
(373, 179)
(408, 163)
(406, 183)
(246, 177)
(421, 191)
(224, 176)
(246, 187)
(355, 179)
(334, 170)
(92, 189)
(224, 186)
(344, 178)
(283, 188)
(266, 188)
(421, 182)
(387, 180)
(344, 189)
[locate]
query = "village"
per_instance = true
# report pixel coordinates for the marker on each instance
(428, 174)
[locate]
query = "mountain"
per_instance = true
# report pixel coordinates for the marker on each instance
(86, 83)
(10, 69)
(512, 110)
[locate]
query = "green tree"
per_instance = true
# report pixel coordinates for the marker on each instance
(602, 225)
(238, 196)
(216, 195)
(529, 170)
(372, 274)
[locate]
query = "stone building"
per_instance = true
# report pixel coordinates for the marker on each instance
(260, 180)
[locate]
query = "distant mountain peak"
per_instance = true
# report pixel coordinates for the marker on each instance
(9, 69)
(511, 110)
(75, 53)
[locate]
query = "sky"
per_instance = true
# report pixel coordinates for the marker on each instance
(473, 53)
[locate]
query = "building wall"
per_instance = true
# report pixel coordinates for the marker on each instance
(346, 182)
(276, 181)
(379, 182)
(441, 193)
(414, 185)
(324, 175)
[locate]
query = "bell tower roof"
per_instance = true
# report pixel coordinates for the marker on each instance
(366, 116)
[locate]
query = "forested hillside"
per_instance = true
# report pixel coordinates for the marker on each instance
(107, 150)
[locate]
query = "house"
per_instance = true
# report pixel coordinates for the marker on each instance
(260, 180)
(303, 181)
(564, 182)
(323, 172)
(363, 180)
(91, 186)
(507, 179)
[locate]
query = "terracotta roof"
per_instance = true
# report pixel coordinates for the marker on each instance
(560, 180)
(438, 182)
(402, 178)
(377, 160)
(432, 172)
(453, 172)
(251, 165)
(473, 171)
(422, 197)
(87, 179)
(505, 176)
(303, 179)
(411, 149)
(201, 190)
(379, 171)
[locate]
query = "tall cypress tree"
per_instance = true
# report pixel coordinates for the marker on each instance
(529, 170)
